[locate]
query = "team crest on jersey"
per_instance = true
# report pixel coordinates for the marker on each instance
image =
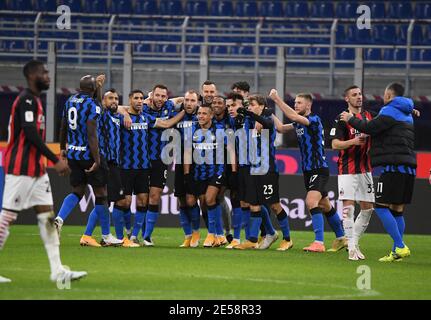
(299, 131)
(341, 191)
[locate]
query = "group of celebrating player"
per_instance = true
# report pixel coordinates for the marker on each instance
(219, 144)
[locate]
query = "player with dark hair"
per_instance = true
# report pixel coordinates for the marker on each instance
(81, 130)
(241, 87)
(189, 216)
(205, 176)
(355, 182)
(157, 106)
(27, 183)
(392, 147)
(309, 131)
(208, 92)
(262, 181)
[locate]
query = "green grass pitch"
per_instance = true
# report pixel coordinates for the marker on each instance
(169, 272)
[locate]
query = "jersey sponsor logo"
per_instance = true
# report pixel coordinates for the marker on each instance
(115, 121)
(76, 100)
(185, 124)
(139, 126)
(300, 131)
(205, 146)
(29, 116)
(98, 110)
(77, 148)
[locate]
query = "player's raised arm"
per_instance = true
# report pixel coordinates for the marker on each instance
(288, 111)
(371, 127)
(169, 123)
(280, 127)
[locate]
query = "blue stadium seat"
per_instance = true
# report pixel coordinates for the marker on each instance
(146, 7)
(426, 55)
(74, 5)
(363, 36)
(166, 48)
(196, 8)
(195, 49)
(92, 46)
(350, 35)
(373, 54)
(340, 34)
(268, 51)
(400, 10)
(16, 45)
(389, 34)
(345, 54)
(221, 8)
(242, 50)
(20, 5)
(121, 7)
(427, 35)
(95, 6)
(388, 54)
(417, 36)
(142, 48)
(422, 10)
(295, 51)
(171, 8)
(400, 54)
(317, 51)
(346, 9)
(322, 9)
(301, 9)
(218, 50)
(378, 10)
(65, 47)
(246, 9)
(271, 9)
(46, 5)
(416, 54)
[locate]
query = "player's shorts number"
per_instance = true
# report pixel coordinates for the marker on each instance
(72, 116)
(268, 189)
(370, 188)
(165, 174)
(380, 187)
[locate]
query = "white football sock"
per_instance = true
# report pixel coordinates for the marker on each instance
(361, 224)
(348, 223)
(49, 236)
(6, 219)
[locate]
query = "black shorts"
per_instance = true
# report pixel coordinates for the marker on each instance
(79, 177)
(243, 173)
(395, 188)
(262, 189)
(158, 174)
(115, 185)
(179, 184)
(135, 181)
(199, 187)
(317, 180)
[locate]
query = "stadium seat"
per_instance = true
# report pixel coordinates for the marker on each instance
(196, 8)
(373, 54)
(268, 51)
(416, 54)
(345, 54)
(389, 35)
(427, 35)
(363, 36)
(340, 34)
(246, 9)
(400, 54)
(400, 10)
(171, 8)
(417, 36)
(313, 51)
(295, 51)
(426, 55)
(20, 5)
(74, 5)
(346, 9)
(121, 7)
(377, 10)
(95, 6)
(271, 9)
(142, 48)
(46, 5)
(242, 50)
(16, 45)
(66, 47)
(221, 8)
(146, 7)
(423, 10)
(92, 46)
(301, 9)
(322, 9)
(218, 50)
(166, 48)
(195, 49)
(388, 54)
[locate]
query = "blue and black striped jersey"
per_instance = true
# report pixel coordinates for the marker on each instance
(311, 143)
(134, 142)
(400, 169)
(78, 110)
(112, 123)
(155, 144)
(242, 127)
(206, 144)
(262, 149)
(186, 125)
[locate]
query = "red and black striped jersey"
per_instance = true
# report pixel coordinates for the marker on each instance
(22, 157)
(355, 159)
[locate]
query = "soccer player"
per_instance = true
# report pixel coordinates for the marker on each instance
(86, 148)
(189, 216)
(136, 162)
(309, 131)
(392, 147)
(262, 181)
(355, 182)
(208, 92)
(27, 183)
(205, 177)
(243, 88)
(158, 107)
